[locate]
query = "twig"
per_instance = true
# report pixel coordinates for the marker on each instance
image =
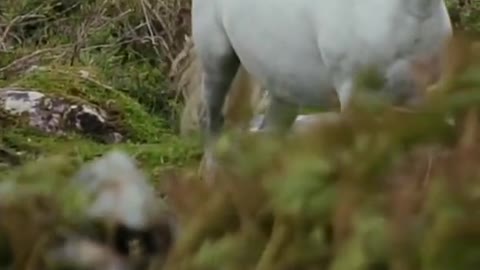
(426, 179)
(30, 56)
(13, 22)
(276, 243)
(149, 27)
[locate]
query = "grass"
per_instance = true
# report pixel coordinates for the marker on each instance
(147, 134)
(110, 54)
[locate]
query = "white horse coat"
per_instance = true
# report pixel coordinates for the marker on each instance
(301, 50)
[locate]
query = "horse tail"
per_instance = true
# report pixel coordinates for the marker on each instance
(244, 98)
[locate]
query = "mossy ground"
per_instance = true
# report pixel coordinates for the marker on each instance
(148, 134)
(108, 62)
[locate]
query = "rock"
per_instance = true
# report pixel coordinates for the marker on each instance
(122, 195)
(57, 115)
(133, 229)
(121, 190)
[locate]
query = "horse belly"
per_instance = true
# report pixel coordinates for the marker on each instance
(300, 82)
(283, 55)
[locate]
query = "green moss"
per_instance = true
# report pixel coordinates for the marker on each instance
(31, 144)
(148, 137)
(83, 84)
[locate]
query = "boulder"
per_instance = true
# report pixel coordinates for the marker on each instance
(57, 115)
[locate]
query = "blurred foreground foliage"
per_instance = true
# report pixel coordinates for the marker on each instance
(465, 14)
(379, 189)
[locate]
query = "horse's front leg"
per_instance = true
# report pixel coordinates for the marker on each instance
(215, 88)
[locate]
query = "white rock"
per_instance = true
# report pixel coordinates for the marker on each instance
(18, 102)
(57, 115)
(121, 191)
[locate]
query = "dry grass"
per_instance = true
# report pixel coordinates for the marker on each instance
(162, 24)
(132, 42)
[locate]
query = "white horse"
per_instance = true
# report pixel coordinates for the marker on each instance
(302, 50)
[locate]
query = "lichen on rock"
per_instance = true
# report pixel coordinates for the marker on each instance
(73, 111)
(57, 115)
(85, 86)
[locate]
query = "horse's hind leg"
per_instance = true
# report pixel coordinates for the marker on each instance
(219, 72)
(216, 82)
(279, 116)
(219, 65)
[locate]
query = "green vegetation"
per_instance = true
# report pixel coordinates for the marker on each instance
(465, 14)
(381, 190)
(111, 54)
